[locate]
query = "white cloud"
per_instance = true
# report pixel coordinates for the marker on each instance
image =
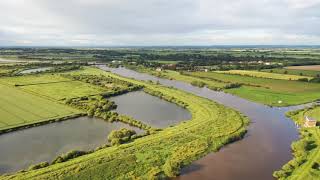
(159, 22)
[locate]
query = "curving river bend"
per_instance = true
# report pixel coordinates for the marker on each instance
(265, 148)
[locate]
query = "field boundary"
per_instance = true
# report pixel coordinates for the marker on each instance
(41, 122)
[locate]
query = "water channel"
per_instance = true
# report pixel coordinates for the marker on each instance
(265, 148)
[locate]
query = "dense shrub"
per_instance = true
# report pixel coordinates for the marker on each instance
(69, 155)
(232, 85)
(123, 135)
(198, 83)
(39, 166)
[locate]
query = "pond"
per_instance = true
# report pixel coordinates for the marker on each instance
(20, 149)
(265, 148)
(35, 70)
(150, 110)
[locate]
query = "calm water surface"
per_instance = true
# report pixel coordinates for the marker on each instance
(265, 148)
(150, 110)
(20, 149)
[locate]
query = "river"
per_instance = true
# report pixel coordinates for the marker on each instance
(265, 148)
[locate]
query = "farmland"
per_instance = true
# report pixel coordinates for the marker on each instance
(293, 72)
(19, 108)
(311, 68)
(52, 86)
(262, 90)
(157, 155)
(306, 150)
(264, 75)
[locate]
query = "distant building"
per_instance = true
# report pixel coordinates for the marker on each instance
(159, 69)
(310, 122)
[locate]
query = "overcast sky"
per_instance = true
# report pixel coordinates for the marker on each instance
(159, 22)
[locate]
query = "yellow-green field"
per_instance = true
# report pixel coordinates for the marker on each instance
(265, 75)
(18, 108)
(311, 67)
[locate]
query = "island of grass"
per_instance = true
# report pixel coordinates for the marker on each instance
(160, 154)
(273, 92)
(306, 151)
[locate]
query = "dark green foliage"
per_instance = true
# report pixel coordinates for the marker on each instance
(38, 166)
(232, 85)
(117, 137)
(69, 155)
(98, 106)
(116, 85)
(198, 83)
(303, 79)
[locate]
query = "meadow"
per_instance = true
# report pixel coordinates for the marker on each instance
(52, 86)
(293, 72)
(18, 108)
(158, 155)
(306, 151)
(311, 67)
(264, 75)
(267, 91)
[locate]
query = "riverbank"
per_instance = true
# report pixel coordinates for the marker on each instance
(306, 151)
(157, 155)
(265, 148)
(272, 92)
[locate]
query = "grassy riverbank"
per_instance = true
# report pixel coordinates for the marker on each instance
(161, 154)
(274, 92)
(306, 151)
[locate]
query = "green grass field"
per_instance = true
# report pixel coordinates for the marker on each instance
(53, 86)
(265, 75)
(268, 91)
(212, 125)
(18, 108)
(33, 79)
(293, 72)
(261, 90)
(306, 151)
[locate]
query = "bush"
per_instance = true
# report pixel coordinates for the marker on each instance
(123, 135)
(232, 85)
(69, 155)
(198, 83)
(38, 166)
(303, 79)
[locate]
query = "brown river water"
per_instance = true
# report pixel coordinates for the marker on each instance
(265, 148)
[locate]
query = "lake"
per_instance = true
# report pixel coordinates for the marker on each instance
(150, 110)
(22, 148)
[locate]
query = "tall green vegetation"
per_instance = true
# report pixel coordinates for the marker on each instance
(117, 137)
(98, 106)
